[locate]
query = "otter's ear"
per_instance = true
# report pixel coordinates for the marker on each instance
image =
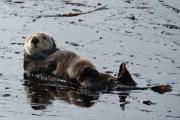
(53, 42)
(89, 72)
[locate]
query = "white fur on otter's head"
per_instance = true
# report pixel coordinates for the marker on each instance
(39, 44)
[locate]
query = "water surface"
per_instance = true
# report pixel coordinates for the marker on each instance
(144, 34)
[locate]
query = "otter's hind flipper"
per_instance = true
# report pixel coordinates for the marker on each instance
(124, 76)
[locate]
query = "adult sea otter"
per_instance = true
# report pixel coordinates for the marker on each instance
(42, 57)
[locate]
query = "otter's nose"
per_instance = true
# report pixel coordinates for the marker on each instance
(35, 41)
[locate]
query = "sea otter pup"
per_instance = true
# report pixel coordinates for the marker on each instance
(42, 56)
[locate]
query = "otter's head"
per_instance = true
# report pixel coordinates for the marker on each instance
(39, 44)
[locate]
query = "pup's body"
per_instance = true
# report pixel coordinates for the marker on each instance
(68, 64)
(41, 55)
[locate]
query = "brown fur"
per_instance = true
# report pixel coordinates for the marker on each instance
(67, 65)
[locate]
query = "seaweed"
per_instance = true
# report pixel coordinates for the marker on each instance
(71, 14)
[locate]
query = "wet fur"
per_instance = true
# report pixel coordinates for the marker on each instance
(65, 64)
(70, 66)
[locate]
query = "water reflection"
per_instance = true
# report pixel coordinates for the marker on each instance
(122, 100)
(42, 95)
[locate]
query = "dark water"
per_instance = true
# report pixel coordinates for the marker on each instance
(144, 34)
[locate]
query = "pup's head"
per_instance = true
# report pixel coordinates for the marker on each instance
(39, 44)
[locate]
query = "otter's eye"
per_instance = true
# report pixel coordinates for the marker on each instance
(35, 40)
(44, 37)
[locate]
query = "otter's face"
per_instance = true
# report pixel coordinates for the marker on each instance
(37, 43)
